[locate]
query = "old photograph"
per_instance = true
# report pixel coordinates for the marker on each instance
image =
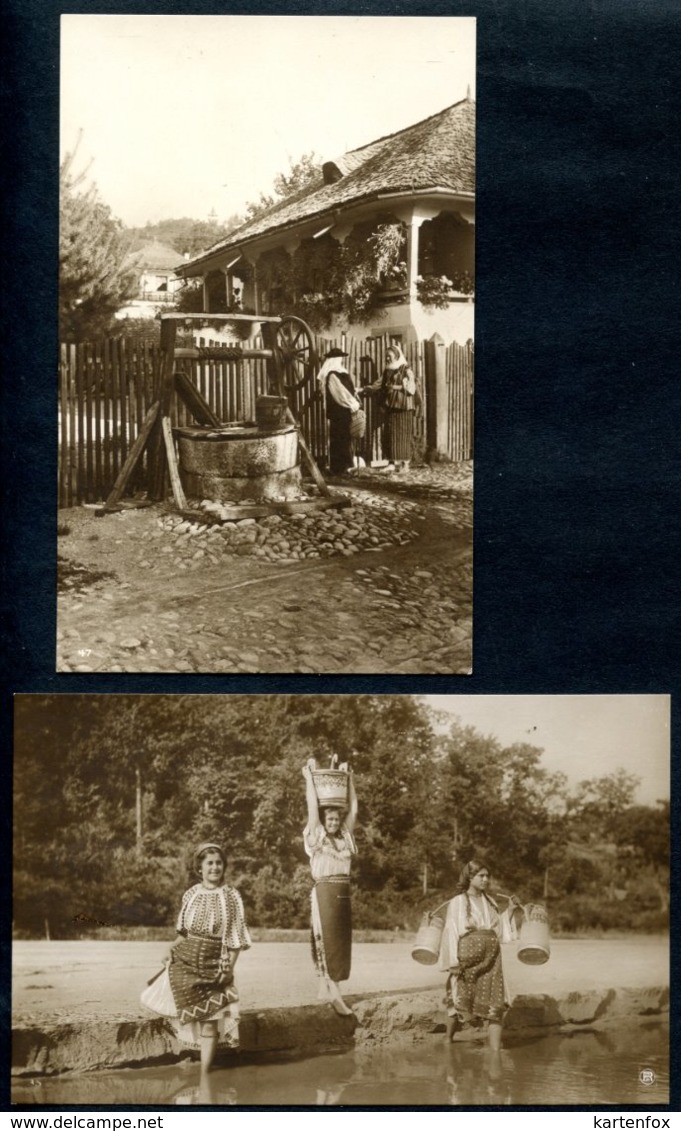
(266, 324)
(338, 900)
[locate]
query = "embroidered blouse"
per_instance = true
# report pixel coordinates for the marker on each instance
(465, 914)
(215, 913)
(329, 856)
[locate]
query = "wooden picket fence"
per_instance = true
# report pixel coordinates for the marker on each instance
(459, 416)
(107, 387)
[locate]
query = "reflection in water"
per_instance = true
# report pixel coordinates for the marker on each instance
(212, 1090)
(610, 1066)
(476, 1076)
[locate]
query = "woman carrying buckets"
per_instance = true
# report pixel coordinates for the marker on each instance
(329, 843)
(471, 954)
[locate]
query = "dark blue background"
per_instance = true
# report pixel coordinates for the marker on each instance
(578, 396)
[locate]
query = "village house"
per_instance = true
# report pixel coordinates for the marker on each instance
(419, 181)
(154, 265)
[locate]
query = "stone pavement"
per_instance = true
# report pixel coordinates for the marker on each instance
(381, 586)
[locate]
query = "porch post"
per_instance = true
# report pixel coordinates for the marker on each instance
(228, 287)
(413, 226)
(249, 294)
(204, 282)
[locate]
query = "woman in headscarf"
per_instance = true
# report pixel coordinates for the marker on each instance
(211, 933)
(471, 954)
(342, 407)
(330, 845)
(396, 392)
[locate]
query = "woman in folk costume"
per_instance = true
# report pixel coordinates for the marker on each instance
(212, 932)
(330, 845)
(396, 391)
(471, 954)
(342, 407)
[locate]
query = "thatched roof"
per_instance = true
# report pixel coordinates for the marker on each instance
(437, 153)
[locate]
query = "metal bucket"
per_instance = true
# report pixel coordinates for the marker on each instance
(331, 787)
(426, 948)
(534, 947)
(270, 413)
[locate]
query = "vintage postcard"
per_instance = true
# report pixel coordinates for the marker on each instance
(267, 297)
(363, 900)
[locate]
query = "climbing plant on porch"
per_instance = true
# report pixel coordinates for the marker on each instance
(324, 279)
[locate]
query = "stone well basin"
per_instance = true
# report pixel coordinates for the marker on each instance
(239, 461)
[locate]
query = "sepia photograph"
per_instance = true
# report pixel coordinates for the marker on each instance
(341, 900)
(266, 344)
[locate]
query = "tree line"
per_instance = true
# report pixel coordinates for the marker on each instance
(94, 281)
(111, 794)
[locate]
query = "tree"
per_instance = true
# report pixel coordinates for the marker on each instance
(301, 174)
(93, 284)
(135, 781)
(599, 802)
(186, 235)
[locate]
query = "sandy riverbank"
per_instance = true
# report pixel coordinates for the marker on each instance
(76, 1004)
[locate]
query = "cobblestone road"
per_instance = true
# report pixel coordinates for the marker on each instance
(382, 586)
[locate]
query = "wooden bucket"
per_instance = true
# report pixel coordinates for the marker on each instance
(331, 787)
(270, 413)
(534, 947)
(426, 948)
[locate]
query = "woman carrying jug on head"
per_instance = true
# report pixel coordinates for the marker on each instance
(330, 845)
(471, 954)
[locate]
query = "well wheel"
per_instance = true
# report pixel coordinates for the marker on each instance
(297, 353)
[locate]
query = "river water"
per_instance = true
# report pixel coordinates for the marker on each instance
(624, 1065)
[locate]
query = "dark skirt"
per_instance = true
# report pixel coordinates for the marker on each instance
(199, 993)
(332, 928)
(480, 982)
(398, 428)
(340, 440)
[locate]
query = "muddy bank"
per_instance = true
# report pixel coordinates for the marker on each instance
(81, 1044)
(602, 1065)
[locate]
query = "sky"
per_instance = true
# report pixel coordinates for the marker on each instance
(183, 115)
(584, 736)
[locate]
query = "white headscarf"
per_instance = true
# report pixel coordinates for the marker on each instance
(400, 360)
(331, 365)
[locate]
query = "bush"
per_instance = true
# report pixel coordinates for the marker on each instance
(274, 899)
(579, 913)
(386, 910)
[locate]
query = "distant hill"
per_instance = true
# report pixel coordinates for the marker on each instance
(184, 235)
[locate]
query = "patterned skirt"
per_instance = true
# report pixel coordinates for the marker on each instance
(477, 991)
(397, 433)
(199, 993)
(332, 928)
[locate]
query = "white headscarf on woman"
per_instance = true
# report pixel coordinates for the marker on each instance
(400, 359)
(333, 386)
(408, 380)
(331, 365)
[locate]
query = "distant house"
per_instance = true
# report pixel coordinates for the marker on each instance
(422, 178)
(154, 265)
